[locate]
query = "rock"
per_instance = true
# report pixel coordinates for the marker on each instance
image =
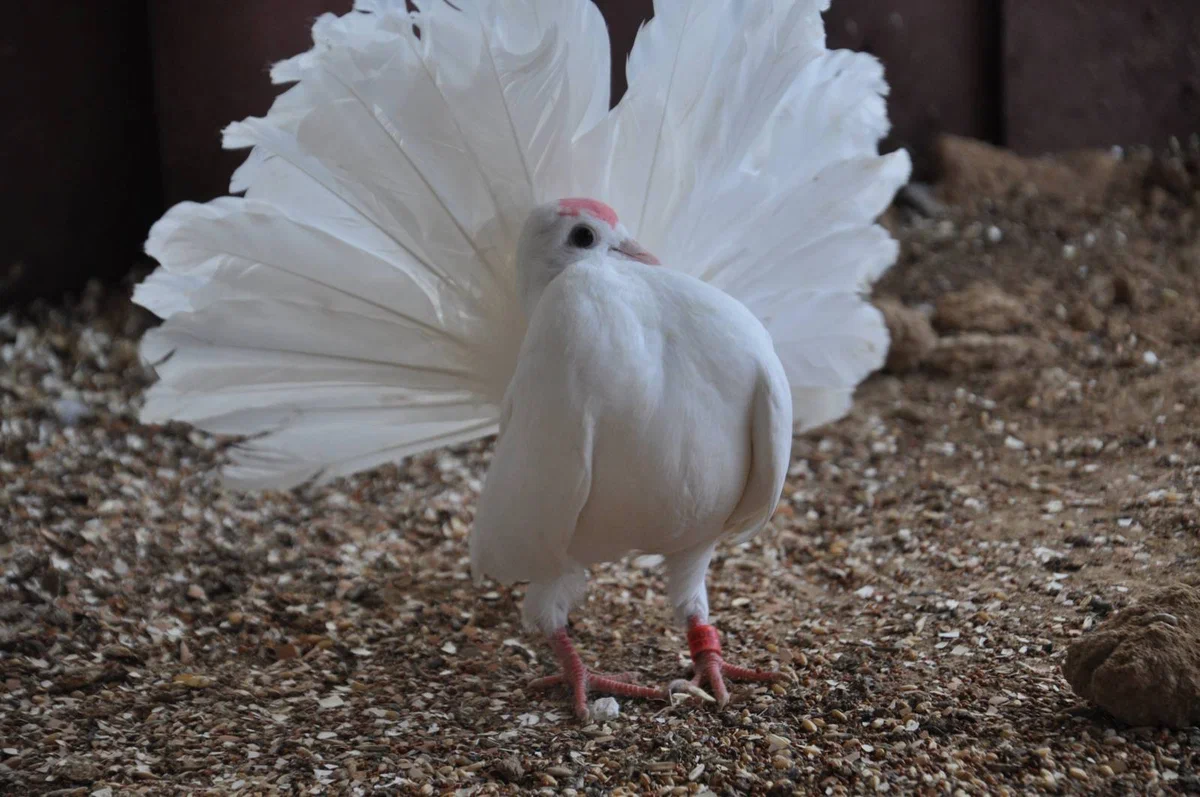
(912, 337)
(77, 770)
(921, 198)
(980, 308)
(1084, 316)
(117, 652)
(509, 769)
(79, 678)
(72, 411)
(1126, 291)
(1143, 665)
(972, 169)
(961, 354)
(26, 563)
(1176, 171)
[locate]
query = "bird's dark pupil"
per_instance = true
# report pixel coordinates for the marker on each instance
(582, 237)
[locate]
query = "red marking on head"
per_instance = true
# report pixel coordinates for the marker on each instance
(573, 207)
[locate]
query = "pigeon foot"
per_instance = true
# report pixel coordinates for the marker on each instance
(712, 670)
(581, 680)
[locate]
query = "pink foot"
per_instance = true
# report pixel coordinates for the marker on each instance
(711, 669)
(580, 680)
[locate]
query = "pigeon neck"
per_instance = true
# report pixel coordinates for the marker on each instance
(532, 286)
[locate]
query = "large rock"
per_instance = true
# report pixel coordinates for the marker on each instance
(1143, 666)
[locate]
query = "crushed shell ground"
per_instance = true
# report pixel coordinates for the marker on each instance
(935, 555)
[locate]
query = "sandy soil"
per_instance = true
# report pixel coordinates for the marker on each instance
(1032, 468)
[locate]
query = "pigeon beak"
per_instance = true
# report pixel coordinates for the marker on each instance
(634, 251)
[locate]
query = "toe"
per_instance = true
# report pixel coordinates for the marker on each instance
(712, 667)
(719, 691)
(547, 682)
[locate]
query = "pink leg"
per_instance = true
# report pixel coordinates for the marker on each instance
(581, 681)
(711, 669)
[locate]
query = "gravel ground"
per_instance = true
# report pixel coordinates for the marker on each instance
(1030, 467)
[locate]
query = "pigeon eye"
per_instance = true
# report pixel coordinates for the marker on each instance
(582, 237)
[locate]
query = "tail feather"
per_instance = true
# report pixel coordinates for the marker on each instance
(358, 304)
(317, 453)
(771, 196)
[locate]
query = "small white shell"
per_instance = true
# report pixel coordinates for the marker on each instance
(605, 708)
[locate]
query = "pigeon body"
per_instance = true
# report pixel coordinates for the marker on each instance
(408, 211)
(648, 412)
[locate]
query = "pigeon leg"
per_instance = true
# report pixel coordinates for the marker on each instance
(581, 680)
(709, 668)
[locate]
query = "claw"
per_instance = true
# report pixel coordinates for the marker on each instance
(681, 686)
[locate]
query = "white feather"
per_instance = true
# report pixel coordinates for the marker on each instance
(359, 304)
(649, 411)
(746, 153)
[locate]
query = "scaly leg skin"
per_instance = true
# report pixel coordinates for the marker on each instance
(580, 680)
(705, 646)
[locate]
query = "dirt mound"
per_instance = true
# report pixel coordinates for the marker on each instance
(912, 338)
(980, 308)
(972, 170)
(1144, 665)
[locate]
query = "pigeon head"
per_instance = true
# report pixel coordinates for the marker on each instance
(559, 234)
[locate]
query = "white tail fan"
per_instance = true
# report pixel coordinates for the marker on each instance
(358, 304)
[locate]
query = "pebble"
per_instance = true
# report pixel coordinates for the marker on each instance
(72, 411)
(605, 708)
(153, 496)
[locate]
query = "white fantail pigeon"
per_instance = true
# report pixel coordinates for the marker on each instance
(407, 269)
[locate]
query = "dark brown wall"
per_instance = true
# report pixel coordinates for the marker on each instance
(77, 150)
(624, 17)
(946, 81)
(1082, 73)
(115, 108)
(211, 62)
